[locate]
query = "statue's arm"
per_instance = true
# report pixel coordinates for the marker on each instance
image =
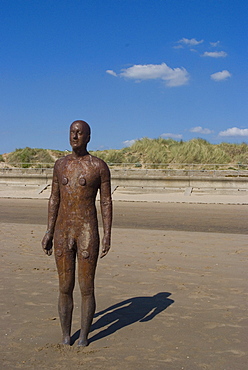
(106, 208)
(53, 206)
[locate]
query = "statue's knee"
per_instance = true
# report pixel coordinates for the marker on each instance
(86, 291)
(66, 282)
(66, 289)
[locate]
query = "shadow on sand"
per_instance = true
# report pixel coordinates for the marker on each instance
(137, 309)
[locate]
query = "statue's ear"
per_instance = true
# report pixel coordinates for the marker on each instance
(88, 139)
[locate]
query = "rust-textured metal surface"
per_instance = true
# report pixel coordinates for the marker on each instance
(73, 226)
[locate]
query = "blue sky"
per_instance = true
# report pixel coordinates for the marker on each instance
(130, 68)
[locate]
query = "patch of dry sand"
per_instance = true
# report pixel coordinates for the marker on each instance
(165, 300)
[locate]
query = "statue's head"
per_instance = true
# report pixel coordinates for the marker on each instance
(79, 134)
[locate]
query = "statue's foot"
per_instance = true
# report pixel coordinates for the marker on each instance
(83, 342)
(66, 340)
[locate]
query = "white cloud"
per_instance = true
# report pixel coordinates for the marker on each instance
(214, 44)
(201, 130)
(178, 47)
(221, 76)
(112, 73)
(190, 42)
(129, 142)
(172, 136)
(171, 76)
(215, 54)
(234, 131)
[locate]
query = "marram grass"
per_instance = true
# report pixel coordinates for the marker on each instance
(155, 152)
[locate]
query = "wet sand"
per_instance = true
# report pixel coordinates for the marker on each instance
(224, 218)
(165, 300)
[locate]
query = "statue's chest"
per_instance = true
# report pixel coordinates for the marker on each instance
(79, 176)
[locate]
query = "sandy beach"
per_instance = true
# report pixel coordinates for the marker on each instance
(165, 300)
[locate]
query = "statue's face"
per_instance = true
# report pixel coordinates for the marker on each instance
(79, 135)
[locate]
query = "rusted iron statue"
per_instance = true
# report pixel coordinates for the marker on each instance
(73, 227)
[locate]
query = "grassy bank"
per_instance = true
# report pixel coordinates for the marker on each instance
(154, 153)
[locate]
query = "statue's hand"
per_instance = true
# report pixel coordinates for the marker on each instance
(47, 243)
(105, 246)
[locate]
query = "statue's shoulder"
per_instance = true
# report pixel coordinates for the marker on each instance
(98, 162)
(102, 168)
(61, 162)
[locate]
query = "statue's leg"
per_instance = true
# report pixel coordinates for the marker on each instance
(65, 261)
(86, 275)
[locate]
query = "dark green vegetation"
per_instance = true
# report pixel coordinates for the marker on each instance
(153, 153)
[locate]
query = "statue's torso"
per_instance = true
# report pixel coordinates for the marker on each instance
(78, 183)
